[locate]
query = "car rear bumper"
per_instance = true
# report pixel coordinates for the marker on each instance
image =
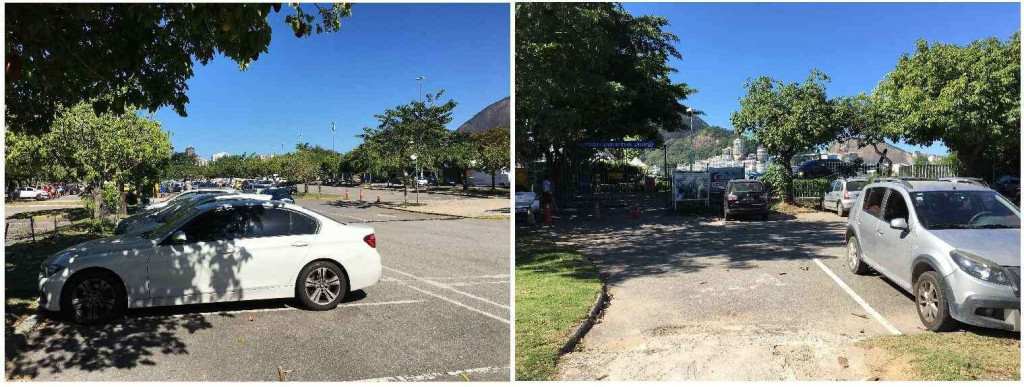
(752, 209)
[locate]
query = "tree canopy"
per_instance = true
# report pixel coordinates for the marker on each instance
(968, 97)
(592, 71)
(138, 55)
(787, 118)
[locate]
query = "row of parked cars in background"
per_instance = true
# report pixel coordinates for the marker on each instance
(43, 191)
(211, 245)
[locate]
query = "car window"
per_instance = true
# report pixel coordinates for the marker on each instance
(268, 222)
(216, 225)
(855, 186)
(964, 209)
(751, 186)
(895, 207)
(873, 201)
(303, 224)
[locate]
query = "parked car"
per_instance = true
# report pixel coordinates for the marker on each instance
(842, 194)
(1009, 186)
(279, 194)
(222, 251)
(955, 246)
(527, 202)
(745, 197)
(814, 169)
(140, 223)
(32, 193)
(185, 195)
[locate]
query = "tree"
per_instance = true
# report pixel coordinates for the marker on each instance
(787, 118)
(591, 71)
(863, 122)
(140, 55)
(108, 147)
(417, 128)
(492, 149)
(968, 97)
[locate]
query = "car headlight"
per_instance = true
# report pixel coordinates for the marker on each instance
(51, 269)
(980, 268)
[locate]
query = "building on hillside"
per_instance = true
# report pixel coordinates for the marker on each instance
(217, 156)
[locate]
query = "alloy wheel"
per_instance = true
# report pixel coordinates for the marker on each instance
(852, 254)
(928, 301)
(93, 299)
(323, 286)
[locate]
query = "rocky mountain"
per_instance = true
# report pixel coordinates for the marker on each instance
(868, 153)
(497, 114)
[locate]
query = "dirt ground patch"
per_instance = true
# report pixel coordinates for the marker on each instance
(944, 356)
(711, 351)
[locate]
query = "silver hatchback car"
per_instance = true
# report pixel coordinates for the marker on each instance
(954, 245)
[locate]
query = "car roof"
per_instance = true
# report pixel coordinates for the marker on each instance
(930, 185)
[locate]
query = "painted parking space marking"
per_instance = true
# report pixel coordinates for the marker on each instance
(348, 305)
(435, 375)
(448, 287)
(863, 304)
(455, 302)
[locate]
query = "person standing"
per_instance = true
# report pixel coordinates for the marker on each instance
(547, 194)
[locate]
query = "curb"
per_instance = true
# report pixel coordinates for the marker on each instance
(595, 310)
(439, 213)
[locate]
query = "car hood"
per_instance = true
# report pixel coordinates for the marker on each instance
(99, 247)
(1001, 246)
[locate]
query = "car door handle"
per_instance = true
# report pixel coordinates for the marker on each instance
(300, 243)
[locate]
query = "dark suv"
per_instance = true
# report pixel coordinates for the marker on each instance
(745, 197)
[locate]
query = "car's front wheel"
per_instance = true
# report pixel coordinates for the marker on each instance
(93, 298)
(853, 261)
(321, 285)
(932, 306)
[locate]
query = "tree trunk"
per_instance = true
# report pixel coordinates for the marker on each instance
(493, 178)
(97, 200)
(465, 180)
(787, 179)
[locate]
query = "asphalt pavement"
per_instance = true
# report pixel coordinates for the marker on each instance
(697, 298)
(440, 312)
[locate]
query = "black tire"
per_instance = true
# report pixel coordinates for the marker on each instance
(727, 216)
(853, 259)
(93, 297)
(326, 277)
(939, 319)
(840, 210)
(764, 216)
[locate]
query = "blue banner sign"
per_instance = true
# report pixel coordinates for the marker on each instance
(620, 144)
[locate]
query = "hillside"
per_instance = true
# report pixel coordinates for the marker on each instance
(708, 142)
(867, 153)
(497, 114)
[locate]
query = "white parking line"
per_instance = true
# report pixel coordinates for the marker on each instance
(451, 288)
(435, 375)
(469, 277)
(863, 304)
(477, 283)
(454, 302)
(349, 305)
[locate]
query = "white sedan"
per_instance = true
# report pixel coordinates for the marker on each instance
(233, 250)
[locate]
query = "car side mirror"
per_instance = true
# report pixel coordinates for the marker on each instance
(178, 237)
(899, 224)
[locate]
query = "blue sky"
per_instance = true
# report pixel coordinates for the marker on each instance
(301, 85)
(855, 44)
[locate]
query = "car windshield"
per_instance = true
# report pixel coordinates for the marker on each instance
(939, 210)
(747, 187)
(170, 221)
(853, 186)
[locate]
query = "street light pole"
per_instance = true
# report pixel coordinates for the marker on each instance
(332, 135)
(693, 134)
(419, 84)
(416, 165)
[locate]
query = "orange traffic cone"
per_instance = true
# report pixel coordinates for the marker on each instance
(378, 196)
(360, 194)
(346, 194)
(597, 211)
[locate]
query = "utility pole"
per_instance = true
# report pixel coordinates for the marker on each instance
(332, 135)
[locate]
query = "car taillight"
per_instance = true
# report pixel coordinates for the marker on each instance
(846, 194)
(733, 198)
(370, 240)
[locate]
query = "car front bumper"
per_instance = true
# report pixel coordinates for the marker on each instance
(983, 304)
(49, 291)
